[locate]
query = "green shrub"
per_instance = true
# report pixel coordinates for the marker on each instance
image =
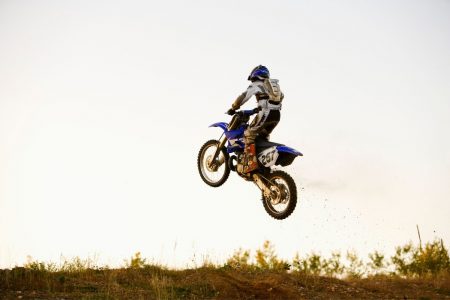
(377, 263)
(39, 265)
(411, 261)
(333, 267)
(266, 259)
(355, 267)
(239, 260)
(136, 261)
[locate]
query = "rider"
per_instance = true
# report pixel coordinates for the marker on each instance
(269, 96)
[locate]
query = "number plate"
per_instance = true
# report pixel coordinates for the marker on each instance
(268, 157)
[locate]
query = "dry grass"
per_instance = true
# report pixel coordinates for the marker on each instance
(415, 274)
(210, 283)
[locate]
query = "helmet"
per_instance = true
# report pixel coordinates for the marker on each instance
(259, 72)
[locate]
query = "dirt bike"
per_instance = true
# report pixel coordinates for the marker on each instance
(216, 160)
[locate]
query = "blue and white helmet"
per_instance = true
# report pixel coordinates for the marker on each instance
(260, 72)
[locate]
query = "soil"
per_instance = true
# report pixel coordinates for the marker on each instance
(209, 283)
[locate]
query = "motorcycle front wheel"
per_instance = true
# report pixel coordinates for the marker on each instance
(283, 197)
(214, 171)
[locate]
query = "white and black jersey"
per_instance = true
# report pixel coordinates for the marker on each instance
(264, 93)
(269, 97)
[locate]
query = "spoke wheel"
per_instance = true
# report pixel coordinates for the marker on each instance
(283, 195)
(214, 172)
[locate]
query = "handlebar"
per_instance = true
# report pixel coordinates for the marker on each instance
(247, 112)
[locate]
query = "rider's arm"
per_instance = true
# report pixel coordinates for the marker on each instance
(242, 98)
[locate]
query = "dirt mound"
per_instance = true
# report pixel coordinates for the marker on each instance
(208, 283)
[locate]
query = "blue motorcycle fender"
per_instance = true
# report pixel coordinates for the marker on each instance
(289, 150)
(222, 125)
(286, 155)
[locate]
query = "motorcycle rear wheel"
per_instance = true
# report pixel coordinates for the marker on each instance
(283, 198)
(217, 173)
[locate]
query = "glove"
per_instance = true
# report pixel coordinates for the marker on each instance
(231, 112)
(256, 110)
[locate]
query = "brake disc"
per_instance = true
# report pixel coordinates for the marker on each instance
(209, 166)
(275, 195)
(284, 195)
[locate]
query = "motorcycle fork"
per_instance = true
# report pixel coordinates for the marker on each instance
(222, 141)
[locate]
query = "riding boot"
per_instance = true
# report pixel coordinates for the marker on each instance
(250, 158)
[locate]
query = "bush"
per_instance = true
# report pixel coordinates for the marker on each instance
(266, 259)
(136, 261)
(239, 260)
(333, 266)
(355, 267)
(411, 261)
(377, 263)
(310, 265)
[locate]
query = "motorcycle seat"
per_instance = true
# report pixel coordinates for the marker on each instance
(262, 144)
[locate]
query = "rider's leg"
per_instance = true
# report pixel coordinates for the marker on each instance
(271, 122)
(264, 123)
(250, 160)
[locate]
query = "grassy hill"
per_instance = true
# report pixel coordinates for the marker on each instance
(209, 283)
(412, 273)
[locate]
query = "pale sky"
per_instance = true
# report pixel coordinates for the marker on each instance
(105, 104)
